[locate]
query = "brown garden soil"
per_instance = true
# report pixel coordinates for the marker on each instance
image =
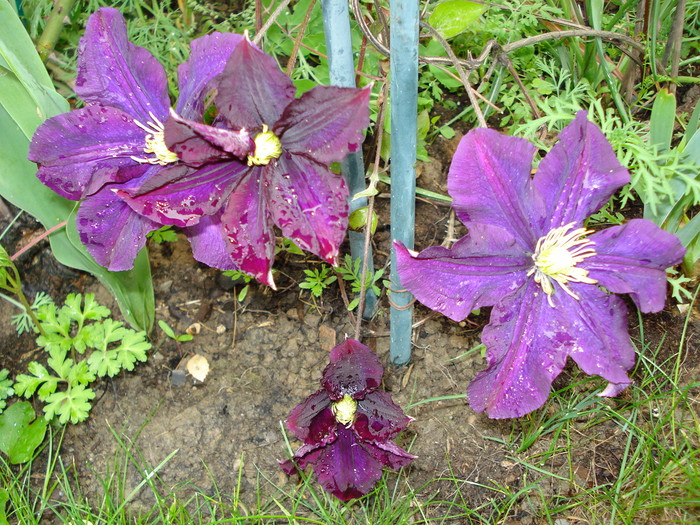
(267, 354)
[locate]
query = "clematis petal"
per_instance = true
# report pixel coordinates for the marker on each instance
(489, 181)
(526, 350)
(579, 174)
(247, 225)
(181, 195)
(209, 243)
(325, 123)
(252, 90)
(309, 204)
(208, 57)
(111, 231)
(196, 144)
(477, 271)
(388, 453)
(632, 258)
(81, 151)
(312, 421)
(598, 323)
(353, 370)
(114, 72)
(378, 418)
(345, 468)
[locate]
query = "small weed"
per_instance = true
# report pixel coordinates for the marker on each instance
(351, 271)
(171, 333)
(317, 280)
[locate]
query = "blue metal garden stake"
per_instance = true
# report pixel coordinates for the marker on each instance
(336, 23)
(404, 109)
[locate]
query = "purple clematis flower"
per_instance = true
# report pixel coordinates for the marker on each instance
(548, 278)
(116, 141)
(349, 425)
(230, 205)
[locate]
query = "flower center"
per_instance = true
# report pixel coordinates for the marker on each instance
(556, 256)
(267, 147)
(344, 410)
(155, 143)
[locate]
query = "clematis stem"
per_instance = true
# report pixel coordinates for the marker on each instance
(404, 111)
(54, 26)
(336, 23)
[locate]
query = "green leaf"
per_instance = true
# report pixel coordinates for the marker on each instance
(358, 220)
(455, 16)
(4, 498)
(27, 97)
(73, 404)
(663, 116)
(20, 432)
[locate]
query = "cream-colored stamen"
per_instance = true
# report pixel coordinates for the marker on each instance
(344, 410)
(155, 143)
(267, 147)
(556, 256)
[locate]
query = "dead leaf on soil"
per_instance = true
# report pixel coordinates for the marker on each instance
(326, 336)
(198, 367)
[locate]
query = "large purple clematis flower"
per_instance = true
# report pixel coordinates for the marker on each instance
(117, 140)
(548, 278)
(231, 206)
(349, 425)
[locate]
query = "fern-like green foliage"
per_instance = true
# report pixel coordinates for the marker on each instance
(6, 389)
(80, 327)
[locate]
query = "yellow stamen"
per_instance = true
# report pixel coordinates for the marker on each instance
(344, 410)
(155, 143)
(267, 147)
(556, 256)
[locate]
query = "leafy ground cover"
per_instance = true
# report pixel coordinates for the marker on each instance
(160, 447)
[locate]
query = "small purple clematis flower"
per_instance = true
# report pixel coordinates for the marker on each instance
(549, 279)
(348, 427)
(117, 140)
(231, 205)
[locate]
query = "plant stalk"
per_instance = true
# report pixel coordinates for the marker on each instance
(54, 26)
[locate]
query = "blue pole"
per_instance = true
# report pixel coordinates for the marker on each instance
(341, 63)
(404, 110)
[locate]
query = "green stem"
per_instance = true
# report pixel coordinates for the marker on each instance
(54, 26)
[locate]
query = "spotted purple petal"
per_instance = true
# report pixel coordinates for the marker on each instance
(378, 418)
(477, 271)
(180, 195)
(208, 57)
(353, 370)
(325, 123)
(579, 174)
(111, 231)
(525, 349)
(196, 144)
(114, 72)
(81, 151)
(632, 259)
(489, 181)
(209, 244)
(312, 421)
(252, 90)
(309, 204)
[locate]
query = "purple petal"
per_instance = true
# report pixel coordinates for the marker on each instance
(477, 271)
(579, 174)
(489, 181)
(632, 259)
(252, 90)
(248, 228)
(378, 418)
(196, 144)
(353, 370)
(114, 72)
(526, 350)
(181, 196)
(81, 151)
(602, 344)
(209, 243)
(208, 57)
(312, 421)
(325, 123)
(111, 231)
(309, 204)
(344, 468)
(388, 453)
